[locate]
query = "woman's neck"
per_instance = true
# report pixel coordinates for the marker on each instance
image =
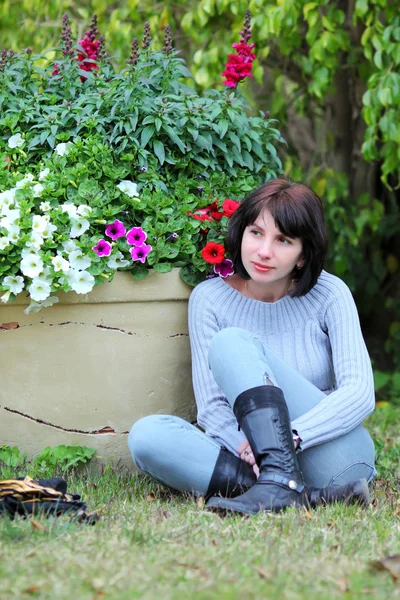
(261, 292)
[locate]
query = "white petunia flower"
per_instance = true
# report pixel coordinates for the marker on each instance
(62, 149)
(69, 246)
(45, 206)
(79, 226)
(4, 242)
(37, 190)
(117, 261)
(79, 261)
(43, 174)
(48, 232)
(35, 241)
(36, 306)
(31, 265)
(45, 275)
(128, 187)
(40, 223)
(60, 264)
(83, 210)
(15, 283)
(5, 297)
(81, 282)
(26, 250)
(12, 215)
(39, 290)
(22, 183)
(7, 197)
(13, 233)
(69, 208)
(16, 141)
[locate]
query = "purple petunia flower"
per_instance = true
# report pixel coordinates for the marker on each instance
(143, 169)
(224, 268)
(102, 248)
(115, 230)
(136, 236)
(140, 252)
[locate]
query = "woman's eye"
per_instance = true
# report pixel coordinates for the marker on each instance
(254, 232)
(284, 240)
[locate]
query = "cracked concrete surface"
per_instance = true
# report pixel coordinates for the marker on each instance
(104, 430)
(83, 371)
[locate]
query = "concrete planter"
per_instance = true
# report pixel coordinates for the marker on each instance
(83, 371)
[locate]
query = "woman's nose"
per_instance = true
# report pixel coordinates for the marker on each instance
(265, 249)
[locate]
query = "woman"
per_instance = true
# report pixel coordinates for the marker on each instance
(279, 364)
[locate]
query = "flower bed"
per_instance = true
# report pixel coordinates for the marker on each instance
(130, 171)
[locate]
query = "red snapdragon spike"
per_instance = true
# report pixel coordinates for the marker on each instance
(239, 65)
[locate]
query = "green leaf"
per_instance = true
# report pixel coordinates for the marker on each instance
(146, 135)
(159, 151)
(175, 138)
(190, 276)
(378, 59)
(223, 127)
(163, 267)
(139, 272)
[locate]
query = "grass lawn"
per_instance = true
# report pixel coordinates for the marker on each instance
(151, 543)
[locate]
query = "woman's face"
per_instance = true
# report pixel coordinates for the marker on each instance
(268, 255)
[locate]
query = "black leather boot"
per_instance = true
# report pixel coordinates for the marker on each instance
(231, 476)
(263, 415)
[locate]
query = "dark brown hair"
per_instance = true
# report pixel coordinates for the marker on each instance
(297, 211)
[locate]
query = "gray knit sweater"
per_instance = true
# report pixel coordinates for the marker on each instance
(317, 334)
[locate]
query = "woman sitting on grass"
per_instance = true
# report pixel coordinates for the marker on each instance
(281, 374)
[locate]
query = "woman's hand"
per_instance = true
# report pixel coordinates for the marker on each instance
(246, 453)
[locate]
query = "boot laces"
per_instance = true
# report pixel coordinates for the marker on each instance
(285, 448)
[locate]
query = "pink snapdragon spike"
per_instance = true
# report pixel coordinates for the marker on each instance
(102, 248)
(239, 65)
(136, 236)
(115, 230)
(224, 268)
(140, 252)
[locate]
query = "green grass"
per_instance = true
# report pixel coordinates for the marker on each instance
(151, 543)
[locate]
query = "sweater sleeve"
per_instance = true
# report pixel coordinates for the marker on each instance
(354, 398)
(214, 413)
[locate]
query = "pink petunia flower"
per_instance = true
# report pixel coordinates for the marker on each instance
(224, 268)
(140, 252)
(136, 236)
(115, 230)
(102, 248)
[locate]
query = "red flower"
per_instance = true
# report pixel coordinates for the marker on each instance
(213, 253)
(239, 65)
(91, 51)
(208, 213)
(229, 207)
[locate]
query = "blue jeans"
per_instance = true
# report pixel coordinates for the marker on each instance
(181, 456)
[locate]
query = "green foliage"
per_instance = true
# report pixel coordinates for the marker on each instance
(387, 386)
(61, 458)
(93, 131)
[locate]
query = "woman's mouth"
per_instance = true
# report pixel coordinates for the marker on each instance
(262, 268)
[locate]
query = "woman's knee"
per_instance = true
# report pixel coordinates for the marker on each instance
(226, 339)
(144, 438)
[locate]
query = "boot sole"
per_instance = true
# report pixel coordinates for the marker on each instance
(357, 493)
